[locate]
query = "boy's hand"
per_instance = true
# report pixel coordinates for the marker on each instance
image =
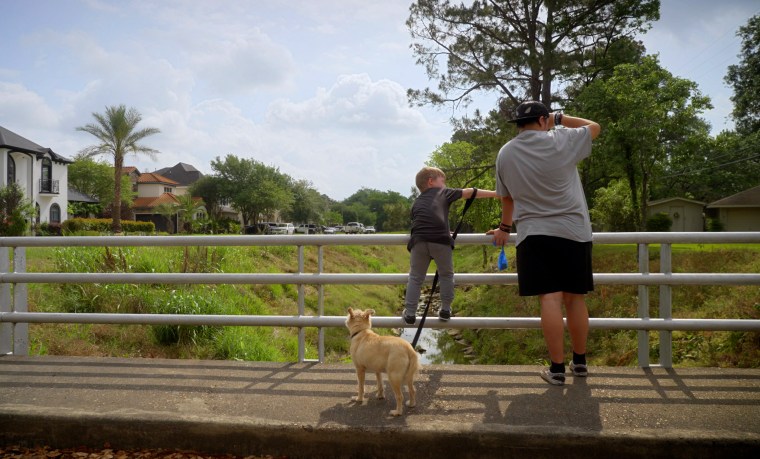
(500, 237)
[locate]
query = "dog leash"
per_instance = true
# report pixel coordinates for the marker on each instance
(435, 277)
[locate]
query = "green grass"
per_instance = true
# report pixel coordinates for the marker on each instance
(606, 347)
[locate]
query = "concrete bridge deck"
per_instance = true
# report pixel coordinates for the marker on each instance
(304, 410)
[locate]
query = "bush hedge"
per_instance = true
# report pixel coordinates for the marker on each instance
(103, 225)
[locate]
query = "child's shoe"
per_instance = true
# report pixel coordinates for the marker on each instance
(409, 317)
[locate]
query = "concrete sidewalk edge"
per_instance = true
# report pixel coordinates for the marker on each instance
(27, 426)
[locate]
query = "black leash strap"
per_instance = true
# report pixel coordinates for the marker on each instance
(467, 205)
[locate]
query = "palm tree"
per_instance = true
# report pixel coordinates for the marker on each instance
(187, 209)
(168, 211)
(116, 130)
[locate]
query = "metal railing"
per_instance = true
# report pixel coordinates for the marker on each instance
(15, 317)
(49, 186)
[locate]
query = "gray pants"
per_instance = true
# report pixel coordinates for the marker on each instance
(421, 254)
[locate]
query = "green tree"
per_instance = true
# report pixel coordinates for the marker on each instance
(96, 178)
(117, 132)
(712, 168)
(309, 206)
(517, 49)
(15, 211)
(253, 188)
(464, 169)
(210, 189)
(744, 77)
(397, 216)
(369, 207)
(613, 208)
(646, 116)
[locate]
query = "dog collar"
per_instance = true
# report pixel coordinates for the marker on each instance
(352, 336)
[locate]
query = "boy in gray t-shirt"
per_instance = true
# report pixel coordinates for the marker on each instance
(540, 189)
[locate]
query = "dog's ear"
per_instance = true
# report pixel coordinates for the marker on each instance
(370, 312)
(350, 312)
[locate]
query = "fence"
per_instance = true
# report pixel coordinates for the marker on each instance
(15, 316)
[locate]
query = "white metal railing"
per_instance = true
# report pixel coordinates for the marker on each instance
(15, 317)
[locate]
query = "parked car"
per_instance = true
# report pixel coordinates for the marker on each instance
(283, 228)
(369, 229)
(329, 230)
(354, 228)
(260, 228)
(308, 228)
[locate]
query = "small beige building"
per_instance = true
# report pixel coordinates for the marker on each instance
(738, 212)
(687, 214)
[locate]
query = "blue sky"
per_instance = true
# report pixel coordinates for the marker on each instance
(315, 88)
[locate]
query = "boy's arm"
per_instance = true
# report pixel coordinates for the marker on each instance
(467, 193)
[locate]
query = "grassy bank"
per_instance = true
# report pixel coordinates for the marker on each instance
(280, 344)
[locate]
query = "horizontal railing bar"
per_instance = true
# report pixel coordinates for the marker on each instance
(377, 322)
(356, 239)
(362, 278)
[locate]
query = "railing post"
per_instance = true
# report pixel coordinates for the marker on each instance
(6, 329)
(666, 306)
(301, 308)
(643, 311)
(20, 304)
(321, 306)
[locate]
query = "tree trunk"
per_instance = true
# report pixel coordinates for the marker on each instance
(116, 205)
(630, 172)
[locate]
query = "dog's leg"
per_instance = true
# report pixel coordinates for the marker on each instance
(380, 388)
(360, 378)
(410, 386)
(396, 380)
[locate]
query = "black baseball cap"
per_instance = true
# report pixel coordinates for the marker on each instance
(530, 109)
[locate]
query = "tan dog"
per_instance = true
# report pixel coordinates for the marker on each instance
(381, 354)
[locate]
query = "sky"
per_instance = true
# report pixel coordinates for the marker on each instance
(314, 88)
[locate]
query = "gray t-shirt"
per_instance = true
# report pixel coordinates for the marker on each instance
(538, 169)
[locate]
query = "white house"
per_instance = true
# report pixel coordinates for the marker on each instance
(41, 173)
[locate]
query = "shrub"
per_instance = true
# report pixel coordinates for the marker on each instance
(48, 229)
(103, 225)
(15, 211)
(659, 222)
(715, 225)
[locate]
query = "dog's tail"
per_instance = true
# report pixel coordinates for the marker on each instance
(414, 363)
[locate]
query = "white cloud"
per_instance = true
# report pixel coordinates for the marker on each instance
(23, 107)
(244, 64)
(354, 102)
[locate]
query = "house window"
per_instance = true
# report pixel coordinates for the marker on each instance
(11, 171)
(55, 213)
(46, 182)
(167, 189)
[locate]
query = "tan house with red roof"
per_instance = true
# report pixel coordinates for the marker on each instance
(153, 190)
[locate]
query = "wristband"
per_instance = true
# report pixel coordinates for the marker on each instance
(504, 227)
(558, 119)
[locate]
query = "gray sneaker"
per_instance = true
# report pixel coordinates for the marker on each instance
(579, 369)
(556, 379)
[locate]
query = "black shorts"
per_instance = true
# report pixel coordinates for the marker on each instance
(548, 264)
